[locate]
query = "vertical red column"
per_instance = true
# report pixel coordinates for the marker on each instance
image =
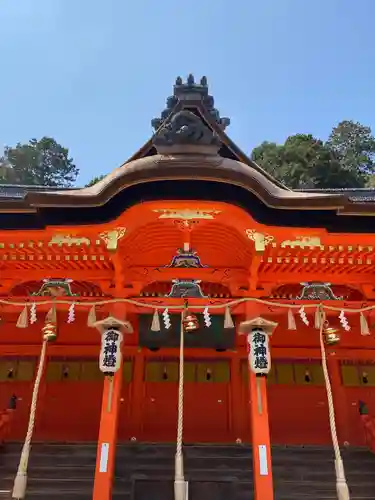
(259, 364)
(106, 454)
(339, 399)
(261, 443)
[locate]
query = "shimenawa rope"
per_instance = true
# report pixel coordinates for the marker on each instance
(341, 484)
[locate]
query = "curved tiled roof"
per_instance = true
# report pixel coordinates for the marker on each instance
(189, 144)
(184, 167)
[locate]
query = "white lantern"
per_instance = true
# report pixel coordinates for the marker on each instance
(110, 353)
(259, 351)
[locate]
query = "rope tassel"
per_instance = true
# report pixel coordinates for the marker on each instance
(155, 325)
(23, 319)
(179, 477)
(342, 491)
(291, 320)
(91, 318)
(341, 484)
(20, 481)
(51, 315)
(319, 318)
(364, 325)
(228, 320)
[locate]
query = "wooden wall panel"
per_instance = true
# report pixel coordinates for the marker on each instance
(353, 396)
(70, 411)
(206, 401)
(23, 391)
(298, 414)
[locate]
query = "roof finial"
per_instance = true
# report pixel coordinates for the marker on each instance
(190, 92)
(190, 79)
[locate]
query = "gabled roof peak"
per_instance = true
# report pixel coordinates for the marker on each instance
(190, 93)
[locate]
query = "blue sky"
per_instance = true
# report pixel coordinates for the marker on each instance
(92, 74)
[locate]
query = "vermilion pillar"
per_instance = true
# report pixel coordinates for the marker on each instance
(261, 442)
(106, 454)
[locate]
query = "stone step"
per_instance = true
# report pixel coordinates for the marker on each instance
(220, 472)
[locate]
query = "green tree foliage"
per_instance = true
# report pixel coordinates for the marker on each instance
(303, 161)
(354, 146)
(95, 180)
(38, 163)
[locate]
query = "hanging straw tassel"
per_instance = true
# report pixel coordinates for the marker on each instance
(91, 318)
(51, 315)
(291, 320)
(228, 320)
(342, 491)
(155, 325)
(364, 325)
(317, 318)
(23, 319)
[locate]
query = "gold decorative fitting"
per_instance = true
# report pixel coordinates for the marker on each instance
(68, 239)
(187, 214)
(112, 237)
(331, 336)
(303, 242)
(261, 240)
(49, 332)
(190, 323)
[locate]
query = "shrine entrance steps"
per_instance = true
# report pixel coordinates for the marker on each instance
(218, 472)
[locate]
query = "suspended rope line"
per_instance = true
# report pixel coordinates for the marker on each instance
(20, 482)
(179, 480)
(158, 306)
(341, 484)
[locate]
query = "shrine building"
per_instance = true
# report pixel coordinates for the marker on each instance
(187, 302)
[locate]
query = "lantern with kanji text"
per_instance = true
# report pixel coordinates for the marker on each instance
(258, 331)
(111, 329)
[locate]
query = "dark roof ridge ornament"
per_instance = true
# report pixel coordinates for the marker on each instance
(186, 133)
(181, 130)
(191, 91)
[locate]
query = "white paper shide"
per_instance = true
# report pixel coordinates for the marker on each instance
(110, 353)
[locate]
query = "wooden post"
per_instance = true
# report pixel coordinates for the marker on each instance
(260, 432)
(106, 454)
(339, 399)
(261, 443)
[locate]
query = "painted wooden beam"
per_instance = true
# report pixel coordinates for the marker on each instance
(92, 351)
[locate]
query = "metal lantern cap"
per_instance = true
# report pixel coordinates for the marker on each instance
(266, 325)
(113, 322)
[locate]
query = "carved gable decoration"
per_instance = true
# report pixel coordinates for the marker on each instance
(185, 128)
(186, 288)
(186, 259)
(55, 288)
